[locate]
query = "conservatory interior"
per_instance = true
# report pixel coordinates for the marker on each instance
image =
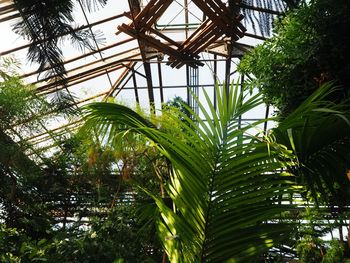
(174, 131)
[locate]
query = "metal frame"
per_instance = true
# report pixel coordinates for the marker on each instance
(216, 34)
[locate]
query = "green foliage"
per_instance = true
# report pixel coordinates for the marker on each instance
(178, 103)
(318, 132)
(48, 22)
(315, 250)
(335, 254)
(108, 239)
(278, 64)
(224, 183)
(17, 100)
(18, 104)
(309, 251)
(308, 48)
(310, 245)
(320, 140)
(16, 246)
(82, 166)
(119, 236)
(8, 244)
(96, 175)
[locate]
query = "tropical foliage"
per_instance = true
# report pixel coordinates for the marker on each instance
(308, 48)
(262, 22)
(78, 204)
(226, 186)
(45, 24)
(318, 132)
(214, 188)
(17, 104)
(120, 235)
(323, 154)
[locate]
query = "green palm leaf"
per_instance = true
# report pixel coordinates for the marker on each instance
(224, 185)
(319, 133)
(45, 24)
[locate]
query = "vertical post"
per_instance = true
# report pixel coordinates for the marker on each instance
(266, 116)
(135, 9)
(233, 11)
(215, 77)
(148, 74)
(192, 87)
(188, 85)
(135, 88)
(241, 90)
(160, 82)
(186, 18)
(228, 68)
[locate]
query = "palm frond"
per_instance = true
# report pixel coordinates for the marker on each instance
(318, 131)
(44, 23)
(93, 5)
(260, 21)
(224, 185)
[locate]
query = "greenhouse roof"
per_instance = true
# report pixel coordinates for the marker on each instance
(144, 52)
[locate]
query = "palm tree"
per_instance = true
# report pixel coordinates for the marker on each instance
(318, 132)
(262, 22)
(227, 186)
(45, 24)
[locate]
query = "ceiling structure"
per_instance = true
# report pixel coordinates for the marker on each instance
(154, 50)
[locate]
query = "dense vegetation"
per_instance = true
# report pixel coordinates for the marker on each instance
(309, 48)
(129, 187)
(76, 204)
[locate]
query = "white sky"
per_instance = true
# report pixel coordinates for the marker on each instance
(173, 77)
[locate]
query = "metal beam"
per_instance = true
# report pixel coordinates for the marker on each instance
(54, 111)
(121, 78)
(79, 57)
(228, 69)
(135, 88)
(255, 36)
(215, 78)
(61, 35)
(259, 9)
(160, 79)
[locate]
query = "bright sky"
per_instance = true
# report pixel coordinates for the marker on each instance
(171, 77)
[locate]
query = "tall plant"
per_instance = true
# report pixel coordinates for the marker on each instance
(318, 132)
(45, 24)
(308, 48)
(226, 185)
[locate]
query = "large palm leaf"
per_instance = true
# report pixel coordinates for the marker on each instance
(319, 133)
(45, 24)
(224, 185)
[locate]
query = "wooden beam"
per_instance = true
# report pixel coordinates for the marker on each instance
(158, 45)
(135, 13)
(122, 76)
